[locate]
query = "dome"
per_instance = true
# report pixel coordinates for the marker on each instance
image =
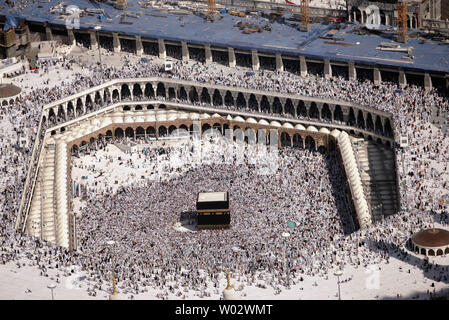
(275, 124)
(8, 90)
(431, 238)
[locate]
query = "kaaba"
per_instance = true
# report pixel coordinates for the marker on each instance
(213, 210)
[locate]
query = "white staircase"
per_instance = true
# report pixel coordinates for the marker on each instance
(377, 172)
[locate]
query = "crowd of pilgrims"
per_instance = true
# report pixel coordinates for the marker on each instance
(425, 163)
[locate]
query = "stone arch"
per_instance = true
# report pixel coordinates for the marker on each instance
(446, 251)
(250, 136)
(162, 131)
(388, 130)
(313, 111)
(150, 107)
(205, 96)
(126, 108)
(431, 252)
(162, 106)
(107, 96)
(277, 106)
(61, 113)
(149, 91)
(182, 94)
(171, 93)
(137, 90)
(439, 252)
(171, 129)
(151, 131)
(193, 95)
(129, 132)
(118, 133)
(297, 141)
(115, 95)
(229, 99)
(109, 135)
(252, 103)
(98, 100)
(138, 108)
(289, 108)
(265, 105)
(217, 100)
(140, 133)
(301, 109)
(205, 127)
(378, 126)
(184, 127)
(237, 133)
(70, 110)
(89, 104)
(217, 127)
(369, 122)
(160, 91)
(338, 114)
(360, 119)
(241, 101)
(310, 143)
(285, 140)
(326, 112)
(351, 119)
(126, 93)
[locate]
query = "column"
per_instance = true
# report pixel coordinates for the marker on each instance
(162, 52)
(139, 46)
(327, 69)
(49, 35)
(279, 63)
(402, 79)
(208, 54)
(185, 51)
(352, 71)
(116, 42)
(93, 40)
(255, 58)
(427, 82)
(231, 56)
(377, 76)
(303, 66)
(71, 35)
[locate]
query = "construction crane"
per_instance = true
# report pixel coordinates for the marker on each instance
(402, 21)
(305, 16)
(211, 7)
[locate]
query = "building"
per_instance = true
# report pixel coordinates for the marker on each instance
(213, 210)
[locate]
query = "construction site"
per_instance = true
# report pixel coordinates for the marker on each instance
(257, 35)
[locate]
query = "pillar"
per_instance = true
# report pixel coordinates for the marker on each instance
(352, 71)
(93, 40)
(303, 66)
(327, 69)
(139, 46)
(71, 35)
(208, 54)
(377, 76)
(402, 79)
(231, 56)
(48, 34)
(162, 52)
(427, 82)
(116, 42)
(279, 63)
(255, 58)
(185, 51)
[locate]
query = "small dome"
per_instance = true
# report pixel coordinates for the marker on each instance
(300, 127)
(251, 120)
(324, 130)
(288, 125)
(312, 128)
(275, 124)
(264, 122)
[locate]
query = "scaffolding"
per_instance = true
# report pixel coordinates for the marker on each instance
(211, 7)
(402, 21)
(305, 16)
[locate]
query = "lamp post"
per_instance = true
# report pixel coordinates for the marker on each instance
(114, 295)
(98, 28)
(338, 273)
(51, 286)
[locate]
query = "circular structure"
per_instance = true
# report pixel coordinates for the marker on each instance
(431, 242)
(8, 92)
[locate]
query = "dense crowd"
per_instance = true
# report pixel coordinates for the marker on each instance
(423, 182)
